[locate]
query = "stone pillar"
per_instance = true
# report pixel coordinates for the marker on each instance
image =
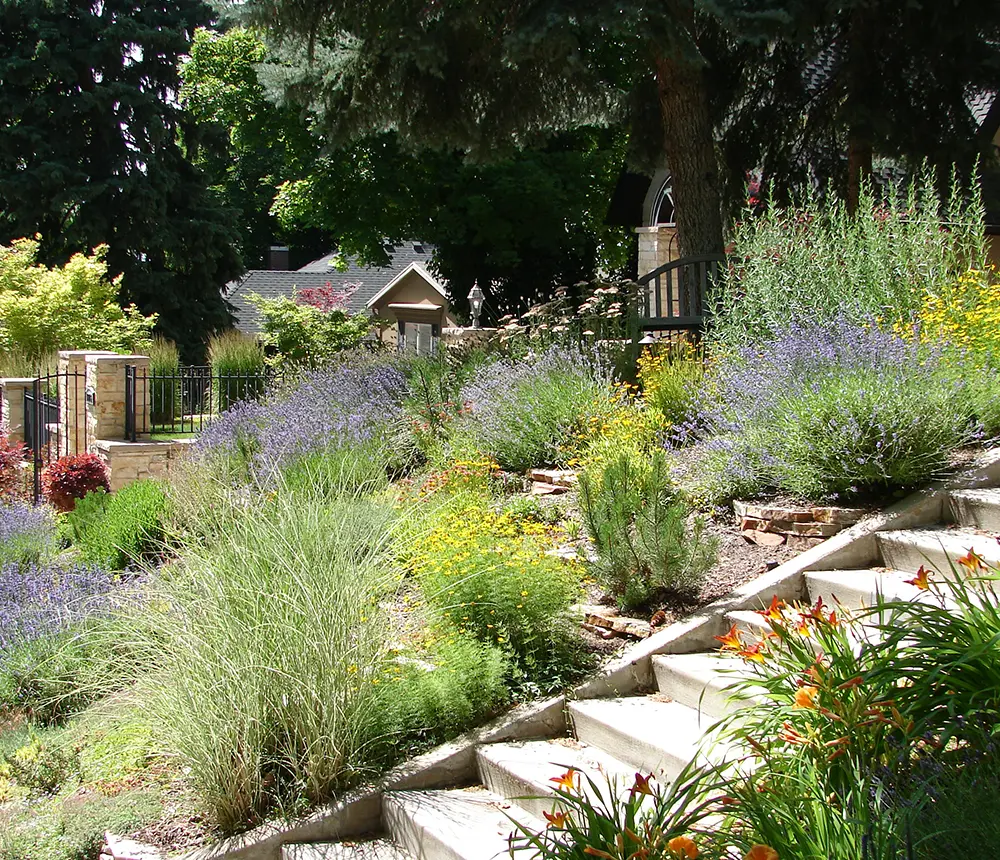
(73, 399)
(12, 405)
(106, 395)
(657, 247)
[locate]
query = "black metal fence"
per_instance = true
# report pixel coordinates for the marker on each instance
(184, 401)
(55, 421)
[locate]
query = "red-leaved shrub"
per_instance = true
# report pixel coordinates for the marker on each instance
(11, 458)
(71, 478)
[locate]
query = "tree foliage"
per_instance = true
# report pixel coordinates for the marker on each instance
(844, 82)
(519, 224)
(489, 79)
(89, 153)
(74, 306)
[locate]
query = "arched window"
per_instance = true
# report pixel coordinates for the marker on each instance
(664, 207)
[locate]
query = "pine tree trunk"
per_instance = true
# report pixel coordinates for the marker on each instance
(689, 147)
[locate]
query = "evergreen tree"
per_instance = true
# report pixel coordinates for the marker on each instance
(89, 152)
(521, 224)
(489, 77)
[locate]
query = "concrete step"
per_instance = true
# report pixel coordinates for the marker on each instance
(978, 509)
(645, 732)
(937, 548)
(701, 680)
(855, 589)
(457, 824)
(752, 625)
(524, 770)
(369, 849)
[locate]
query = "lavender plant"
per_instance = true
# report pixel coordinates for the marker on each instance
(43, 600)
(321, 410)
(831, 409)
(27, 533)
(520, 412)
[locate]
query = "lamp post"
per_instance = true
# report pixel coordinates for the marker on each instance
(476, 302)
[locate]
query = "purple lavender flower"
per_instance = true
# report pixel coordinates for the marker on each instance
(521, 410)
(26, 532)
(321, 409)
(833, 408)
(43, 600)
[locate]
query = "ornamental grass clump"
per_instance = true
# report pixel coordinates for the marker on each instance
(238, 369)
(831, 410)
(520, 412)
(274, 650)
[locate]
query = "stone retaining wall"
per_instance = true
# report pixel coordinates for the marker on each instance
(132, 461)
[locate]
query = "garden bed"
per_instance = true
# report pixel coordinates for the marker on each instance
(355, 568)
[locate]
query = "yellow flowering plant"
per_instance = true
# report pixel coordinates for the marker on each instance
(490, 575)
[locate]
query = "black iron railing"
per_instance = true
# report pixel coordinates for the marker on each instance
(55, 420)
(183, 401)
(675, 296)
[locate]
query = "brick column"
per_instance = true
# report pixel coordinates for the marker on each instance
(106, 393)
(12, 405)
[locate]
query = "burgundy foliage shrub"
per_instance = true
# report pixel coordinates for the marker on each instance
(71, 478)
(11, 458)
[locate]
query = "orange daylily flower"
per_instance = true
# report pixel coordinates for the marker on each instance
(773, 612)
(802, 628)
(567, 781)
(730, 641)
(972, 561)
(805, 696)
(641, 785)
(921, 579)
(753, 653)
(555, 819)
(683, 846)
(761, 852)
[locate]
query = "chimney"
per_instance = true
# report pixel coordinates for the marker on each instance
(277, 258)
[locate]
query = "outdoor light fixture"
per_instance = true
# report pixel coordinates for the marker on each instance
(476, 303)
(648, 340)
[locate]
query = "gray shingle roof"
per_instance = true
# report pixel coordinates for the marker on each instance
(370, 280)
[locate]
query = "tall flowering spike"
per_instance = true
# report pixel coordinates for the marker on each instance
(683, 846)
(921, 580)
(730, 641)
(761, 852)
(567, 781)
(972, 561)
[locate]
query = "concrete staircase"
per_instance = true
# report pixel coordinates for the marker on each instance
(658, 732)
